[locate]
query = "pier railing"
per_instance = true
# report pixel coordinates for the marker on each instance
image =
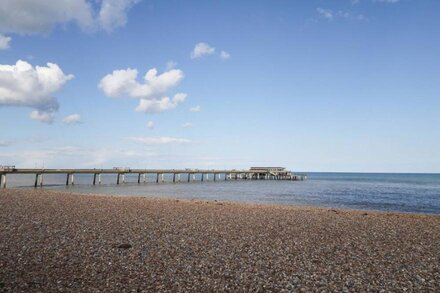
(120, 173)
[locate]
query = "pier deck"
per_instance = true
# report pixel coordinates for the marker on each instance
(254, 173)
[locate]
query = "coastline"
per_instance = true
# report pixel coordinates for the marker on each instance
(52, 240)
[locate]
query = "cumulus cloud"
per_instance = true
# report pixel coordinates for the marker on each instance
(150, 124)
(151, 92)
(123, 83)
(161, 140)
(4, 42)
(160, 105)
(202, 49)
(72, 119)
(23, 85)
(30, 16)
(225, 55)
(195, 109)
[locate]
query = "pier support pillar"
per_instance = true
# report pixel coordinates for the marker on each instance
(94, 178)
(36, 180)
(123, 178)
(202, 177)
(3, 180)
(178, 177)
(67, 179)
(157, 178)
(72, 179)
(139, 178)
(174, 177)
(99, 178)
(41, 180)
(145, 177)
(117, 180)
(163, 177)
(189, 177)
(214, 176)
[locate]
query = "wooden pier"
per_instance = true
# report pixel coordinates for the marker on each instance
(254, 173)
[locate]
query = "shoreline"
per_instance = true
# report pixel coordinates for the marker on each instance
(53, 240)
(220, 201)
(247, 203)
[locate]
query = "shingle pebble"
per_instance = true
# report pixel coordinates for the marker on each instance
(61, 242)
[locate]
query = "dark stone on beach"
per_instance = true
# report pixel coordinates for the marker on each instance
(124, 246)
(365, 214)
(335, 211)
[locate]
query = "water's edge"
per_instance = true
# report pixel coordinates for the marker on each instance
(409, 193)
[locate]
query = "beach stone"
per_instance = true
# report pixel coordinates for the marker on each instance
(125, 246)
(117, 244)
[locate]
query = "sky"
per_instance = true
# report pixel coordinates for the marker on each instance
(330, 85)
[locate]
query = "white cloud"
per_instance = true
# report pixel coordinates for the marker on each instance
(159, 140)
(113, 13)
(32, 16)
(46, 117)
(72, 119)
(331, 15)
(4, 42)
(387, 1)
(4, 143)
(150, 124)
(326, 13)
(202, 49)
(225, 55)
(23, 85)
(76, 157)
(187, 125)
(195, 109)
(160, 105)
(151, 92)
(123, 83)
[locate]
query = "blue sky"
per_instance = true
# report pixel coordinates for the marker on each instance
(311, 85)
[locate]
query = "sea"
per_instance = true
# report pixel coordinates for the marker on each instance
(409, 193)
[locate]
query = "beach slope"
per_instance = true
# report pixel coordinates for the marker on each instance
(55, 241)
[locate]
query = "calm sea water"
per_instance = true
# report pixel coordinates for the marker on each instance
(419, 193)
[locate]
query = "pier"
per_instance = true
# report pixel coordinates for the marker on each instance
(177, 175)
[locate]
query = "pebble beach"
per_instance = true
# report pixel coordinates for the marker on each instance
(53, 241)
